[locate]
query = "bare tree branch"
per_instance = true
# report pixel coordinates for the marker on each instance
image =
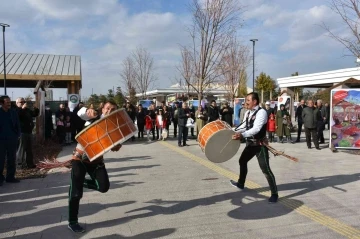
(349, 12)
(127, 74)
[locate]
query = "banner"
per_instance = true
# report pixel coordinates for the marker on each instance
(345, 118)
(237, 108)
(73, 101)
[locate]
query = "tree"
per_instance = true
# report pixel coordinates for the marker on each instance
(308, 95)
(144, 70)
(128, 75)
(264, 83)
(186, 69)
(242, 87)
(233, 67)
(119, 97)
(349, 12)
(212, 27)
(110, 95)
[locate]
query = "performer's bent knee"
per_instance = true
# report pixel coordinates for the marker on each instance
(103, 188)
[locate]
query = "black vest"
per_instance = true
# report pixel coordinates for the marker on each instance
(250, 123)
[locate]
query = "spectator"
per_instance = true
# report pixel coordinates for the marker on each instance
(310, 117)
(148, 125)
(49, 127)
(282, 121)
(140, 120)
(160, 123)
(167, 115)
(227, 114)
(192, 115)
(175, 118)
(242, 112)
(321, 121)
(184, 114)
(299, 119)
(213, 111)
(68, 130)
(327, 108)
(24, 153)
(130, 109)
(60, 129)
(201, 119)
(9, 134)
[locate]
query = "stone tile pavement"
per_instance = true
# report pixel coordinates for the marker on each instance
(161, 191)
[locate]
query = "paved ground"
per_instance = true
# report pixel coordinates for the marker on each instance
(161, 191)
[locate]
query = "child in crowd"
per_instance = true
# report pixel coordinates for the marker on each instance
(271, 127)
(68, 130)
(60, 129)
(148, 125)
(160, 123)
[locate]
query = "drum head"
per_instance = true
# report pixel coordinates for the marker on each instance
(220, 147)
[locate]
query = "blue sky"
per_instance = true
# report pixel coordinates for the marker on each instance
(104, 32)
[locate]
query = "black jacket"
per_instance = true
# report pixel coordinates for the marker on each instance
(183, 117)
(140, 117)
(298, 114)
(26, 119)
(227, 115)
(213, 113)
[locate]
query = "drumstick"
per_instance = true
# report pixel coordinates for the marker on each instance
(226, 145)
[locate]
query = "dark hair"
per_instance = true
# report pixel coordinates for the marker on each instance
(2, 98)
(213, 101)
(111, 102)
(254, 96)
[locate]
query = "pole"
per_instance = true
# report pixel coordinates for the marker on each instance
(4, 60)
(253, 40)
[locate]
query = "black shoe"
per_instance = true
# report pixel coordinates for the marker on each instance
(274, 198)
(76, 228)
(179, 145)
(298, 140)
(13, 180)
(186, 145)
(309, 147)
(236, 184)
(318, 148)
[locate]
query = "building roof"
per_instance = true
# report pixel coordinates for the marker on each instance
(321, 79)
(23, 67)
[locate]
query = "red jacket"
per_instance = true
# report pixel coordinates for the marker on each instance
(148, 122)
(271, 125)
(163, 123)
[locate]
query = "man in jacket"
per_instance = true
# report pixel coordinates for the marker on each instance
(310, 116)
(213, 111)
(24, 153)
(227, 114)
(184, 114)
(9, 135)
(299, 119)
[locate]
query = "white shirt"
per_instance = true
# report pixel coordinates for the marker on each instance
(261, 118)
(159, 118)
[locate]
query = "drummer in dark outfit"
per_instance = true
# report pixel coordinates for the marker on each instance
(253, 131)
(81, 165)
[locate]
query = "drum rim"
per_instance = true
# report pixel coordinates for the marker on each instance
(209, 124)
(87, 128)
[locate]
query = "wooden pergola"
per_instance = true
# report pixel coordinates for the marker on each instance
(24, 70)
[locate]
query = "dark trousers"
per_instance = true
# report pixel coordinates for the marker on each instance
(99, 181)
(8, 150)
(183, 134)
(141, 130)
(262, 155)
(153, 132)
(192, 131)
(175, 127)
(24, 153)
(311, 132)
(300, 124)
(320, 131)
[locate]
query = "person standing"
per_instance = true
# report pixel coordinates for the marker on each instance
(192, 115)
(327, 108)
(321, 121)
(310, 116)
(213, 111)
(26, 116)
(175, 118)
(201, 119)
(10, 132)
(184, 114)
(227, 114)
(253, 131)
(140, 121)
(49, 126)
(299, 119)
(282, 118)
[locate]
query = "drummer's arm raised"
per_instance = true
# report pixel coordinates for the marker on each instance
(84, 114)
(260, 120)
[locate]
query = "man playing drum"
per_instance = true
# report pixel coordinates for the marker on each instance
(253, 131)
(80, 165)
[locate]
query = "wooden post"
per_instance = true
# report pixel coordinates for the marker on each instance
(40, 120)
